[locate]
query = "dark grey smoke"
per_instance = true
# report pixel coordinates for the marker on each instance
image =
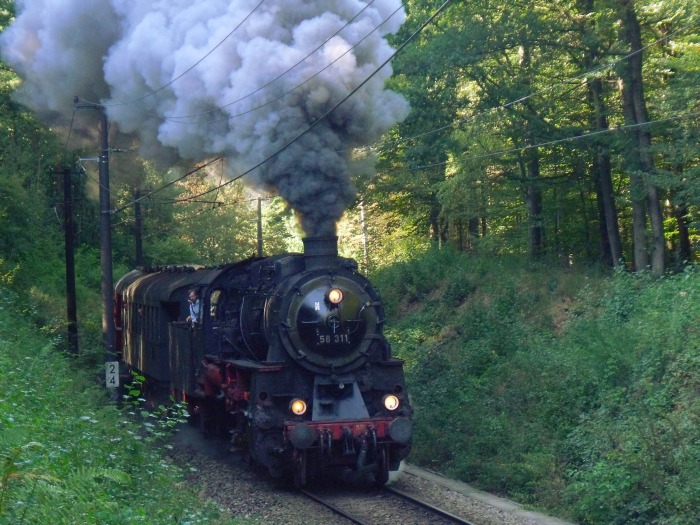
(118, 52)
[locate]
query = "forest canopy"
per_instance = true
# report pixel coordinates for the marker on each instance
(564, 129)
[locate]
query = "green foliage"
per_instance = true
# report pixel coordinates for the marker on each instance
(562, 389)
(14, 220)
(172, 250)
(7, 13)
(7, 273)
(67, 455)
(179, 227)
(634, 455)
(158, 423)
(502, 109)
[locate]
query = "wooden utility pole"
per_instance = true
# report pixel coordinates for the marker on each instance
(108, 330)
(71, 303)
(260, 233)
(138, 228)
(365, 251)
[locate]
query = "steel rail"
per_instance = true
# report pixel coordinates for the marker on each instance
(403, 495)
(428, 506)
(332, 507)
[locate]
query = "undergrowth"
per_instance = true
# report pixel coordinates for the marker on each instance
(567, 390)
(68, 455)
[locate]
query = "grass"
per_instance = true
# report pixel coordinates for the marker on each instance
(67, 454)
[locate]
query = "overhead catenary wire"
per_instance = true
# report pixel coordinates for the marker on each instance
(203, 210)
(218, 204)
(215, 204)
(550, 142)
(167, 185)
(522, 99)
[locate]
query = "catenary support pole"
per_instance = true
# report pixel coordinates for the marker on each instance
(108, 331)
(71, 302)
(108, 328)
(260, 232)
(138, 228)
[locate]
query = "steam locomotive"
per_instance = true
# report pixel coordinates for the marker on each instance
(288, 359)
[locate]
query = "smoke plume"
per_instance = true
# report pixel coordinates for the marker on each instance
(239, 79)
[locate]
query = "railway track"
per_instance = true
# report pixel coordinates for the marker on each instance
(247, 493)
(426, 505)
(388, 506)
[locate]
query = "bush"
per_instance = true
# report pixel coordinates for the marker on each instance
(69, 456)
(569, 391)
(635, 457)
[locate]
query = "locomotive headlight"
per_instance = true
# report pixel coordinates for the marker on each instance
(391, 402)
(335, 295)
(298, 406)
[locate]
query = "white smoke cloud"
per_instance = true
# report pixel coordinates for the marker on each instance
(217, 90)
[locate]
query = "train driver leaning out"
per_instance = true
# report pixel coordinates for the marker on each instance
(195, 307)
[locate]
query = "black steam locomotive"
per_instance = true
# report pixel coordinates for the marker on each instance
(288, 358)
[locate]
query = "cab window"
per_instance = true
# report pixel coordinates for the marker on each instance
(214, 299)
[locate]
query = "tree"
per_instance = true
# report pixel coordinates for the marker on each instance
(412, 163)
(490, 56)
(525, 97)
(592, 40)
(641, 164)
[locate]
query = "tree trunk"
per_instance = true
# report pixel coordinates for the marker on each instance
(472, 232)
(474, 227)
(604, 249)
(603, 176)
(609, 230)
(460, 235)
(530, 173)
(636, 112)
(533, 190)
(533, 202)
(637, 191)
(658, 240)
(438, 227)
(685, 250)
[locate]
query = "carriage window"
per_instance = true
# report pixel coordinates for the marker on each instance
(214, 298)
(172, 310)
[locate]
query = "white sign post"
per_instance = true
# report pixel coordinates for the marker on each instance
(112, 374)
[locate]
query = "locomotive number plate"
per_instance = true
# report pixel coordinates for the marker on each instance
(333, 339)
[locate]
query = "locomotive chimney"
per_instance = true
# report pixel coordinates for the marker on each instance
(320, 252)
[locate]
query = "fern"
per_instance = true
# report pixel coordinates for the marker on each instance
(11, 453)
